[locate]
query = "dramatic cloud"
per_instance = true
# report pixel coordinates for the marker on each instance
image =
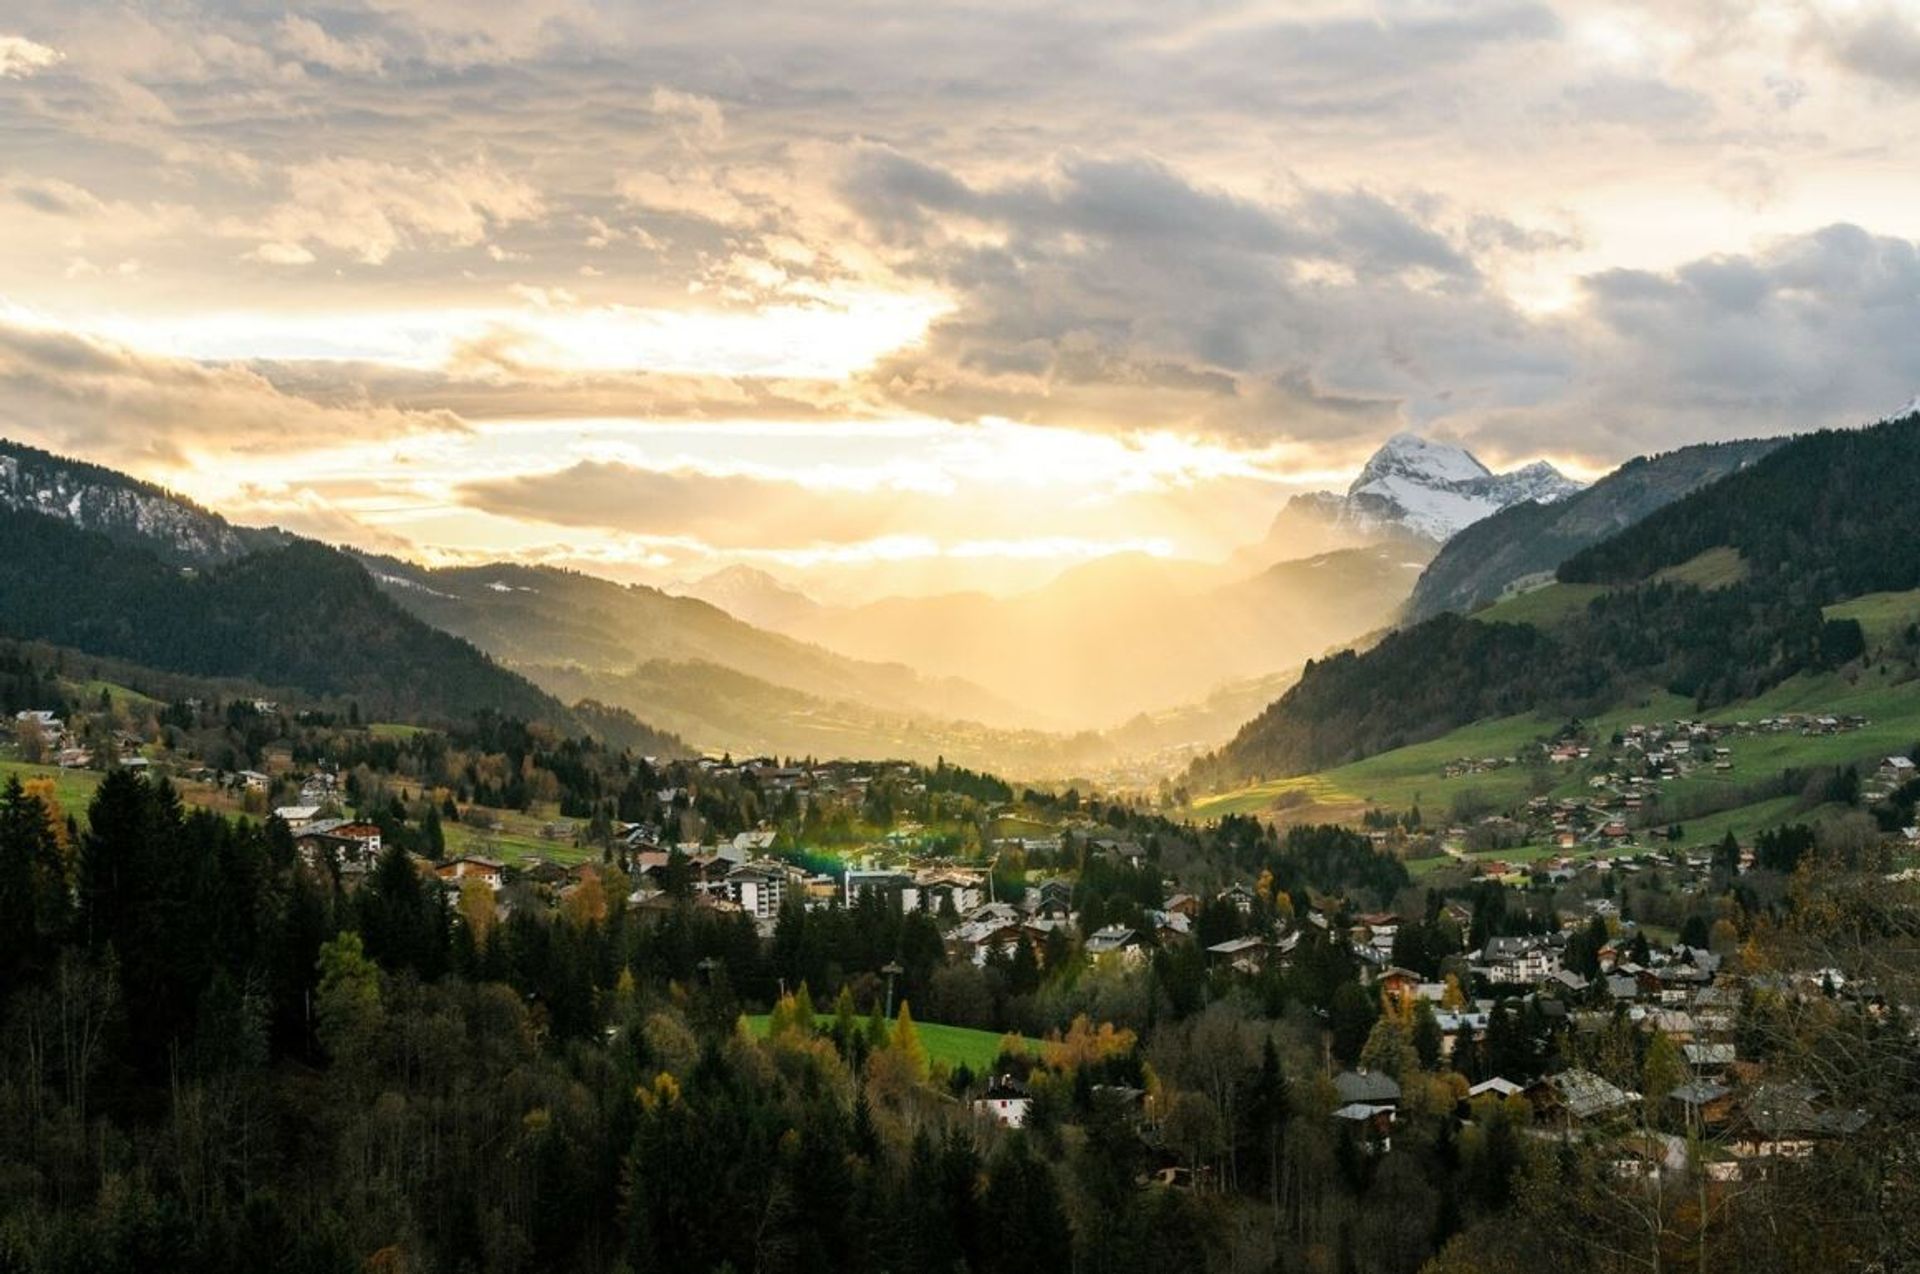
(1278, 231)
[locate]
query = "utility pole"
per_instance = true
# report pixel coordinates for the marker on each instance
(893, 970)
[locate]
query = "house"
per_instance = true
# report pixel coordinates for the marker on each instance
(1704, 1105)
(297, 817)
(1006, 1101)
(1520, 960)
(1709, 1057)
(1579, 1096)
(1117, 940)
(1248, 955)
(1366, 1087)
(1786, 1120)
(489, 871)
(353, 846)
(1498, 1087)
(1398, 986)
(1369, 1103)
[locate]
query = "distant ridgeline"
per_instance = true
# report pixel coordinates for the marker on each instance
(1824, 517)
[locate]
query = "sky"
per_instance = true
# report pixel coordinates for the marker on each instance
(890, 296)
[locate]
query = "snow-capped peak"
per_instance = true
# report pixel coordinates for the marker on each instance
(1421, 460)
(1414, 486)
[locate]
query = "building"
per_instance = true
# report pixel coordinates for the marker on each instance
(1006, 1101)
(758, 888)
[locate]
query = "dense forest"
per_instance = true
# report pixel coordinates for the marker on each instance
(302, 616)
(216, 1059)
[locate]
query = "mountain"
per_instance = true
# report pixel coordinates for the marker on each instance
(1530, 540)
(1129, 634)
(1411, 488)
(547, 620)
(752, 595)
(301, 616)
(123, 509)
(1718, 597)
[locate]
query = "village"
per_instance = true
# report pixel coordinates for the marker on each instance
(1505, 999)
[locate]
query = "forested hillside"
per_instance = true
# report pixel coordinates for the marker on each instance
(1530, 539)
(1830, 515)
(302, 616)
(1825, 517)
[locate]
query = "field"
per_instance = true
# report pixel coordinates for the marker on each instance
(72, 788)
(954, 1045)
(1542, 607)
(1882, 616)
(88, 692)
(1716, 568)
(518, 838)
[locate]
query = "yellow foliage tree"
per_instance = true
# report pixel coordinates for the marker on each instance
(905, 1042)
(477, 911)
(586, 902)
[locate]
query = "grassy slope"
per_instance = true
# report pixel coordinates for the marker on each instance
(1411, 775)
(72, 788)
(1882, 615)
(1545, 607)
(1715, 568)
(953, 1045)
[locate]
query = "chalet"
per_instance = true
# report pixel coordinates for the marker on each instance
(1184, 904)
(1498, 1087)
(1369, 1104)
(1240, 896)
(1704, 1105)
(489, 871)
(1006, 1101)
(1579, 1096)
(1118, 941)
(1399, 986)
(297, 817)
(1052, 898)
(1787, 1120)
(352, 846)
(1248, 955)
(1367, 1087)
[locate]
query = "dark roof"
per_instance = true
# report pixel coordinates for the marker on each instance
(1366, 1087)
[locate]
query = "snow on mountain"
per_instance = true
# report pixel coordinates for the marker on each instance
(96, 499)
(1416, 487)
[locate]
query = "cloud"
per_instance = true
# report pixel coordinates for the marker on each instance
(371, 209)
(91, 396)
(21, 57)
(720, 510)
(1122, 291)
(310, 42)
(700, 118)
